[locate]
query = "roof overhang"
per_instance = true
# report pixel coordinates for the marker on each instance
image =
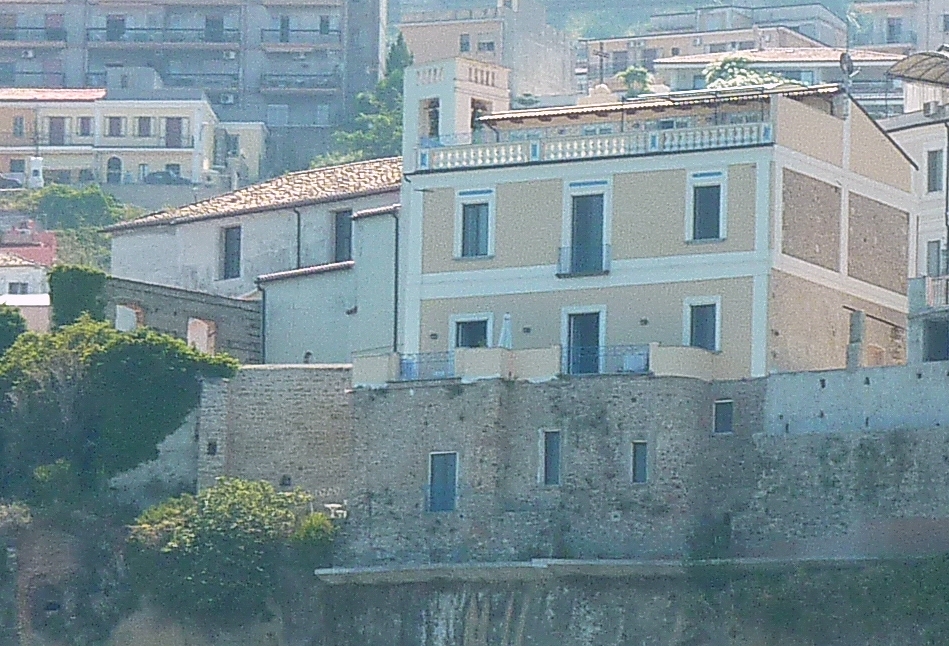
(924, 67)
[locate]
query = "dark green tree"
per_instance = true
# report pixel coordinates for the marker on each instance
(86, 402)
(12, 325)
(215, 556)
(376, 130)
(75, 290)
(65, 207)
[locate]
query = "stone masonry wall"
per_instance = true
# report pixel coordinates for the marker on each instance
(168, 309)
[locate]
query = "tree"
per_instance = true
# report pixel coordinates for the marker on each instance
(215, 556)
(636, 80)
(76, 290)
(86, 402)
(376, 131)
(736, 71)
(12, 325)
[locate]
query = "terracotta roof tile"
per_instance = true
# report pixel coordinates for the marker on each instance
(293, 189)
(9, 260)
(49, 94)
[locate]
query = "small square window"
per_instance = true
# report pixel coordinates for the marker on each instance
(85, 126)
(144, 126)
(486, 46)
(639, 458)
(471, 334)
(286, 481)
(551, 457)
(464, 43)
(18, 288)
(724, 414)
(17, 165)
(114, 126)
(212, 448)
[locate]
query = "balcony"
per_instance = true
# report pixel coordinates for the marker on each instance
(282, 38)
(181, 142)
(33, 36)
(584, 261)
(427, 366)
(204, 81)
(548, 149)
(606, 360)
(937, 291)
(153, 36)
(299, 83)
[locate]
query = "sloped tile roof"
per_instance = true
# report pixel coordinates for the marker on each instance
(291, 190)
(9, 260)
(50, 94)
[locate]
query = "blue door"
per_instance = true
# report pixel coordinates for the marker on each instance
(443, 481)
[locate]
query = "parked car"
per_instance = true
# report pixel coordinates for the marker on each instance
(10, 182)
(166, 177)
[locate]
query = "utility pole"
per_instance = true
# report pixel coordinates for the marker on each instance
(602, 56)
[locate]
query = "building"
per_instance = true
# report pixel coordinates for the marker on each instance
(877, 92)
(23, 286)
(745, 223)
(707, 30)
(25, 240)
(903, 26)
(514, 34)
(294, 65)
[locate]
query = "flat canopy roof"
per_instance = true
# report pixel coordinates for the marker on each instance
(927, 67)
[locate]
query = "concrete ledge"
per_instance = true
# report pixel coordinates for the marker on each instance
(548, 568)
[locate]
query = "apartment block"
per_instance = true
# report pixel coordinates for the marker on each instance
(903, 26)
(514, 33)
(744, 227)
(293, 64)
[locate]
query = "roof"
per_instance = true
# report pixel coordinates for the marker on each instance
(673, 99)
(391, 209)
(46, 94)
(910, 120)
(927, 67)
(823, 55)
(307, 271)
(9, 260)
(302, 188)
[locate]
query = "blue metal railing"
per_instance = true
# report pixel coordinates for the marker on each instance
(427, 366)
(608, 359)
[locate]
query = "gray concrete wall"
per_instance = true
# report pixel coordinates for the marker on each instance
(167, 310)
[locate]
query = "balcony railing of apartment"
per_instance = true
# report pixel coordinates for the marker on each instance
(603, 360)
(217, 81)
(937, 291)
(584, 260)
(301, 37)
(595, 146)
(33, 35)
(130, 141)
(33, 79)
(299, 82)
(70, 139)
(875, 87)
(427, 366)
(161, 35)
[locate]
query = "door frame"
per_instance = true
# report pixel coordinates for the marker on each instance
(565, 314)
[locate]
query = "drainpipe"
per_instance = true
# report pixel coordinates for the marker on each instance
(945, 191)
(263, 321)
(299, 241)
(395, 286)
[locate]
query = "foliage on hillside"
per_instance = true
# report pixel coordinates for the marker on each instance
(376, 130)
(86, 402)
(215, 556)
(12, 325)
(74, 291)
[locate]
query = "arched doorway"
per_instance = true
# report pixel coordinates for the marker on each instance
(113, 171)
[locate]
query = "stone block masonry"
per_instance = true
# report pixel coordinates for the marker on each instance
(698, 488)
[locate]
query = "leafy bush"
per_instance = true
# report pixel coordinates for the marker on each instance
(74, 290)
(65, 207)
(215, 556)
(12, 325)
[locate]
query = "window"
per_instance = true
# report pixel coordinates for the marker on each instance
(551, 458)
(278, 115)
(8, 74)
(232, 253)
(142, 172)
(676, 51)
(934, 258)
(718, 48)
(114, 28)
(703, 326)
(582, 335)
(212, 448)
(174, 169)
(202, 335)
(113, 171)
(214, 29)
(706, 206)
(619, 61)
(464, 43)
(472, 334)
(19, 127)
(18, 288)
(284, 29)
(723, 416)
(324, 24)
(894, 30)
(143, 127)
(486, 46)
(934, 172)
(639, 462)
(343, 226)
(113, 126)
(585, 254)
(85, 126)
(17, 165)
(945, 22)
(698, 82)
(474, 230)
(442, 481)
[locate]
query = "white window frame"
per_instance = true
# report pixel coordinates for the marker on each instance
(697, 179)
(579, 188)
(474, 196)
(469, 318)
(632, 462)
(542, 456)
(715, 404)
(428, 484)
(687, 305)
(565, 327)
